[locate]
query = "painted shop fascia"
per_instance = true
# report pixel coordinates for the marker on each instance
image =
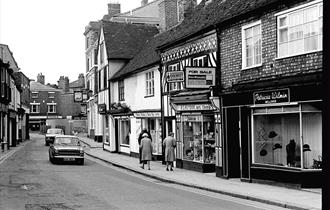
(189, 73)
(272, 110)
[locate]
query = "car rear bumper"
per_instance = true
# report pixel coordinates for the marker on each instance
(68, 157)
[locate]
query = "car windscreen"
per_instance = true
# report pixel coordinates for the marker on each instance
(54, 131)
(66, 141)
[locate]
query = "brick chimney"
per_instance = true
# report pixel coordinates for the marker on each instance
(41, 78)
(144, 2)
(113, 9)
(168, 14)
(66, 84)
(186, 8)
(81, 80)
(61, 83)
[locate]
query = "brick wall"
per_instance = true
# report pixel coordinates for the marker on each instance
(168, 14)
(231, 53)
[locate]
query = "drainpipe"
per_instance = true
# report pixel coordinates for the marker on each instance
(160, 69)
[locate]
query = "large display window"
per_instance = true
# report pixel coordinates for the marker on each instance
(198, 138)
(288, 136)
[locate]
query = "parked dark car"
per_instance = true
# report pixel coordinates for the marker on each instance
(51, 133)
(66, 148)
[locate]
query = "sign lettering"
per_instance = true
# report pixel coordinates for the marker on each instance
(269, 97)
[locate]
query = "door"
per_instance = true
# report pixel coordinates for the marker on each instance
(232, 144)
(117, 135)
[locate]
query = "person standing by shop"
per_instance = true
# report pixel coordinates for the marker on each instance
(146, 150)
(169, 144)
(139, 141)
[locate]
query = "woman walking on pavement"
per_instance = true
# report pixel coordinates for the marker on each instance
(146, 148)
(139, 141)
(169, 144)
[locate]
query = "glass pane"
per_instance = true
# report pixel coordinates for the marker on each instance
(209, 139)
(283, 49)
(282, 21)
(276, 140)
(192, 137)
(283, 35)
(312, 140)
(311, 43)
(248, 33)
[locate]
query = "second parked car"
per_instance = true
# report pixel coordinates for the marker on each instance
(51, 133)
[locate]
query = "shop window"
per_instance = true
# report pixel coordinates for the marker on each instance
(107, 138)
(198, 138)
(312, 138)
(124, 131)
(300, 30)
(251, 45)
(276, 137)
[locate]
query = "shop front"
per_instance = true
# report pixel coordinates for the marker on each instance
(150, 120)
(280, 136)
(197, 135)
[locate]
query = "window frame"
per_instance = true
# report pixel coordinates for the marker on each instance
(286, 14)
(121, 90)
(34, 93)
(201, 59)
(51, 105)
(174, 86)
(51, 94)
(37, 105)
(244, 28)
(150, 83)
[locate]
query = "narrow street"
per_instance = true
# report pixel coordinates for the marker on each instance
(29, 181)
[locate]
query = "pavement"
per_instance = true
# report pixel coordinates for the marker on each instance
(269, 194)
(275, 195)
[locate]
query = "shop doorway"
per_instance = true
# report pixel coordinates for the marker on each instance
(232, 144)
(116, 135)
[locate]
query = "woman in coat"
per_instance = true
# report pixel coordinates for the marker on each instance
(139, 141)
(146, 148)
(169, 144)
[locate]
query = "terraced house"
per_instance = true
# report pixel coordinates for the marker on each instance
(266, 99)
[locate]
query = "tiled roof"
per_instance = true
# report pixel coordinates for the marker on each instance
(74, 84)
(124, 40)
(37, 86)
(147, 57)
(216, 12)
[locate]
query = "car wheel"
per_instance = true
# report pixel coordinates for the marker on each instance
(51, 159)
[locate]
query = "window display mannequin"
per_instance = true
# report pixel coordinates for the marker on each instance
(291, 153)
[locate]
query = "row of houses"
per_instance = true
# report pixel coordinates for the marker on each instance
(14, 101)
(238, 82)
(61, 105)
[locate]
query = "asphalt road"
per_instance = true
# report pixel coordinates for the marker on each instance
(29, 181)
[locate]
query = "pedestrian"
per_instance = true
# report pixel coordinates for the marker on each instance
(146, 150)
(169, 145)
(139, 141)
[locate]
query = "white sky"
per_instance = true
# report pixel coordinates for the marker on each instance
(46, 36)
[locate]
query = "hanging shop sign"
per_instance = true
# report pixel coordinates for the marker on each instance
(200, 77)
(102, 108)
(175, 76)
(147, 114)
(270, 97)
(193, 107)
(78, 96)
